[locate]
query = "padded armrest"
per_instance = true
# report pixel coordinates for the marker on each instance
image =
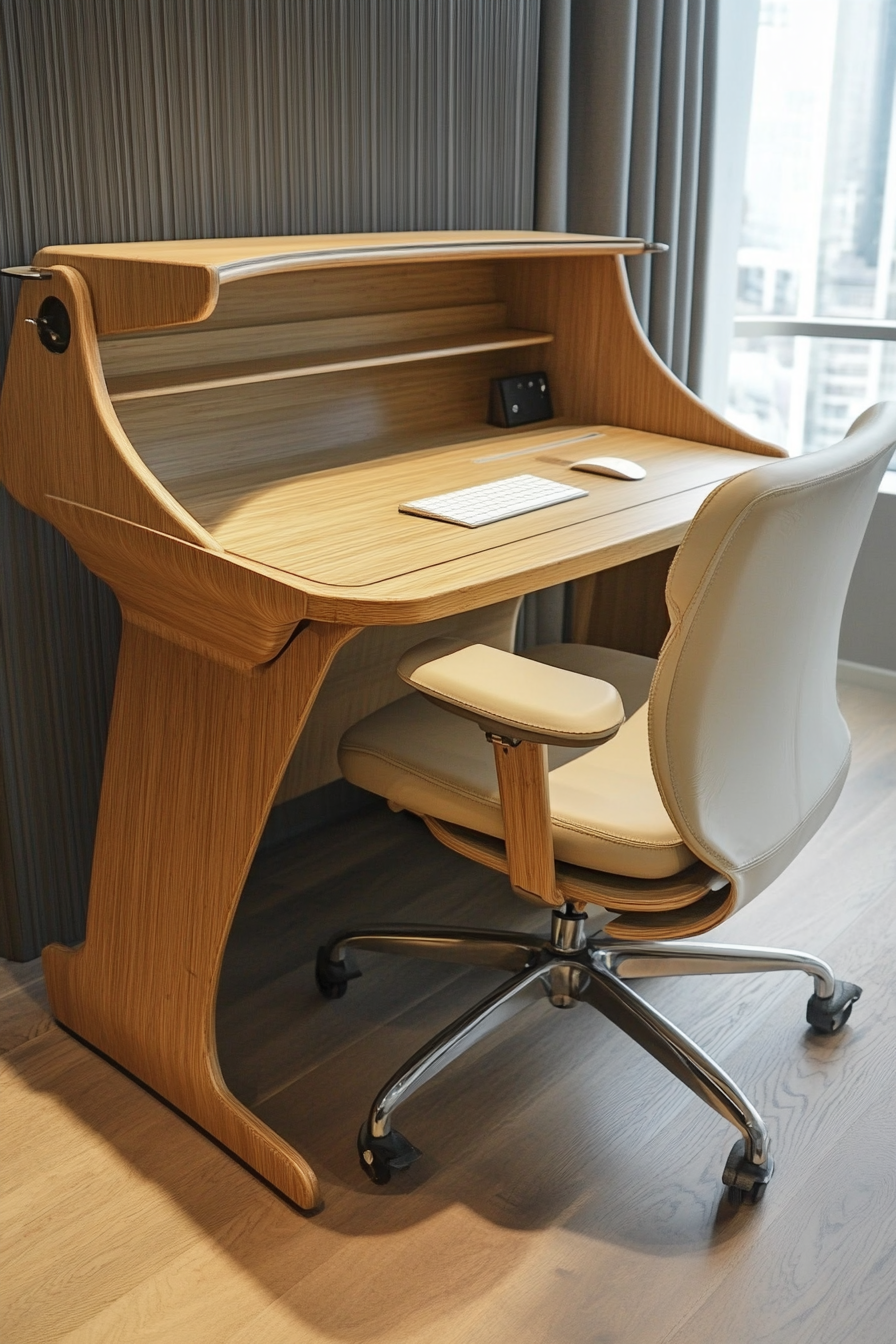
(514, 696)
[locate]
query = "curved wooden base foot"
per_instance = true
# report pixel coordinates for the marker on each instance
(196, 752)
(196, 1089)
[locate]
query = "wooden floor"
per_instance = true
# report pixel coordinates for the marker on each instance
(569, 1190)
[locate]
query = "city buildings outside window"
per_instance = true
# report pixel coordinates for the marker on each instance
(816, 289)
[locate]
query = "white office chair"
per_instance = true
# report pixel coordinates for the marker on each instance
(729, 756)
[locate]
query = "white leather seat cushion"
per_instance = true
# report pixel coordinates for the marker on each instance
(606, 808)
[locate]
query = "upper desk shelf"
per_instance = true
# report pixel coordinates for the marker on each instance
(171, 382)
(271, 401)
(140, 286)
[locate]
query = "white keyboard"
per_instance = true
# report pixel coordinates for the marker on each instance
(480, 504)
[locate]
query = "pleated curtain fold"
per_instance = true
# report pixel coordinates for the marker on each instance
(626, 116)
(625, 146)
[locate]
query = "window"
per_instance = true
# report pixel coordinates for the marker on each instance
(816, 294)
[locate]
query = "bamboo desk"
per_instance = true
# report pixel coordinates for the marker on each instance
(223, 431)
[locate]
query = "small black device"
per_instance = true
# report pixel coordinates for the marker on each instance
(520, 400)
(53, 326)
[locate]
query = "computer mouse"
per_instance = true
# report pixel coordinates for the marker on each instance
(620, 467)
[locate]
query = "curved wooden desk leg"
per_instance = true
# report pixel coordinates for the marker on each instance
(195, 754)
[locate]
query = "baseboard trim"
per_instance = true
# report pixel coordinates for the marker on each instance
(860, 674)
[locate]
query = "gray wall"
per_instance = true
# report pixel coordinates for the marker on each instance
(205, 118)
(868, 634)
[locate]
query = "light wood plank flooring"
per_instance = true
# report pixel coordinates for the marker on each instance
(569, 1190)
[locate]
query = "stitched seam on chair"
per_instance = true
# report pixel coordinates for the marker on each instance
(523, 723)
(630, 842)
(704, 507)
(722, 544)
(791, 833)
(707, 504)
(701, 594)
(427, 779)
(721, 547)
(785, 840)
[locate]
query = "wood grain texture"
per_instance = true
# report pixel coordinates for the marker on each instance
(601, 365)
(150, 295)
(24, 1010)
(228, 252)
(687, 921)
(199, 599)
(136, 286)
(223, 439)
(353, 292)
(517, 567)
(279, 367)
(58, 432)
(588, 1208)
(262, 335)
(522, 772)
(343, 528)
(195, 755)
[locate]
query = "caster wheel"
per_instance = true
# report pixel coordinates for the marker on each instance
(746, 1181)
(332, 977)
(380, 1157)
(736, 1196)
(826, 1016)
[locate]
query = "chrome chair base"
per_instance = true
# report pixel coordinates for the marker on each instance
(571, 968)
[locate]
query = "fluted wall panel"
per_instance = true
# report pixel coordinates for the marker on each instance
(129, 119)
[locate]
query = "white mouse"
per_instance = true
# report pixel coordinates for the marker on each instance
(620, 467)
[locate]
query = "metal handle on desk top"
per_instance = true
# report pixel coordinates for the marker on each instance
(26, 273)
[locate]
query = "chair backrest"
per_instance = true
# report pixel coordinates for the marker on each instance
(749, 748)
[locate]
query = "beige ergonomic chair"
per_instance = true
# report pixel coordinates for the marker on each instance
(730, 753)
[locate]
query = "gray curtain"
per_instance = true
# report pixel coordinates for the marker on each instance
(625, 147)
(204, 118)
(625, 119)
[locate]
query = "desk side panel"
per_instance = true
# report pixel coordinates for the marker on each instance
(212, 604)
(601, 366)
(58, 432)
(139, 294)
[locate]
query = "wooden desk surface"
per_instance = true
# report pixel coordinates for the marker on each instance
(341, 529)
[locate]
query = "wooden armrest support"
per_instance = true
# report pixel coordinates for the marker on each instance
(526, 809)
(521, 705)
(514, 697)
